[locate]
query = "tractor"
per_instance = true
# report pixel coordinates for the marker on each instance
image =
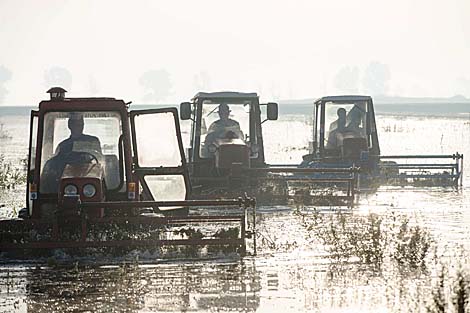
(103, 176)
(345, 135)
(226, 155)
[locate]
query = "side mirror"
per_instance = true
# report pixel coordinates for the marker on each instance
(272, 111)
(185, 111)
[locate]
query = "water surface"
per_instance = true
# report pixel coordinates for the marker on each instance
(294, 270)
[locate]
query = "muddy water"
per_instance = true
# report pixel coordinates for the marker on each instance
(298, 266)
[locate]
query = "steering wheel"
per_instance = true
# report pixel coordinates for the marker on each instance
(80, 157)
(229, 135)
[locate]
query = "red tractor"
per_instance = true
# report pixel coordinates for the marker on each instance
(100, 175)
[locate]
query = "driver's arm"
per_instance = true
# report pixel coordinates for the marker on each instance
(240, 132)
(234, 127)
(61, 147)
(212, 128)
(331, 142)
(97, 145)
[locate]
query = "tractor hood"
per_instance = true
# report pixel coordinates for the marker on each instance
(231, 153)
(85, 181)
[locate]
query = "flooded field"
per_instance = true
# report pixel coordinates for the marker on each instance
(398, 250)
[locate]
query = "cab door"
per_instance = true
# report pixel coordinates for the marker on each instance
(159, 160)
(31, 185)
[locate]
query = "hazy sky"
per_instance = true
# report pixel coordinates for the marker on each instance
(282, 49)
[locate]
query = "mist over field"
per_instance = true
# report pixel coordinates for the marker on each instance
(164, 52)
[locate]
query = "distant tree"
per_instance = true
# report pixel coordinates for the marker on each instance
(347, 80)
(5, 75)
(202, 81)
(58, 76)
(157, 85)
(376, 78)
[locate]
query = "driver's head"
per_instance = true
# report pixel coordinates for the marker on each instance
(75, 124)
(224, 111)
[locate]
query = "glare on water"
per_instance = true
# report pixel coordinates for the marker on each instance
(297, 268)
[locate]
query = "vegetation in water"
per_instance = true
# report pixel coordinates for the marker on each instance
(227, 234)
(371, 239)
(450, 291)
(400, 252)
(10, 176)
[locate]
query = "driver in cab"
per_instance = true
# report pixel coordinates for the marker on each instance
(77, 137)
(224, 127)
(78, 148)
(337, 127)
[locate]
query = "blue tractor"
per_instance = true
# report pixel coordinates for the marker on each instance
(345, 135)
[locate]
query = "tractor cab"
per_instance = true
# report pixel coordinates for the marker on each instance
(226, 132)
(81, 149)
(344, 131)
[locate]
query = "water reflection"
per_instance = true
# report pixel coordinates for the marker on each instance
(132, 288)
(285, 277)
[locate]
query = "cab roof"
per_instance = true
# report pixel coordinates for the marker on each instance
(83, 104)
(225, 94)
(344, 99)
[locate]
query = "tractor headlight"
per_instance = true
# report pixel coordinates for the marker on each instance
(70, 190)
(212, 148)
(89, 190)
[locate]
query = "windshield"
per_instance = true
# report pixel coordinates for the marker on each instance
(224, 120)
(80, 137)
(341, 118)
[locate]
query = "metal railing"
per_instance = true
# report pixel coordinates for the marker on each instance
(15, 234)
(452, 171)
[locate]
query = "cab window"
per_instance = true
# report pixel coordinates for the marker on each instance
(342, 119)
(77, 138)
(224, 120)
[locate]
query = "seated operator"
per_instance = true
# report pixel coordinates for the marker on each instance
(354, 124)
(78, 148)
(340, 128)
(90, 143)
(355, 118)
(223, 127)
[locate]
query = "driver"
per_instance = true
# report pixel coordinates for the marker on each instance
(64, 154)
(224, 127)
(340, 128)
(354, 125)
(75, 125)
